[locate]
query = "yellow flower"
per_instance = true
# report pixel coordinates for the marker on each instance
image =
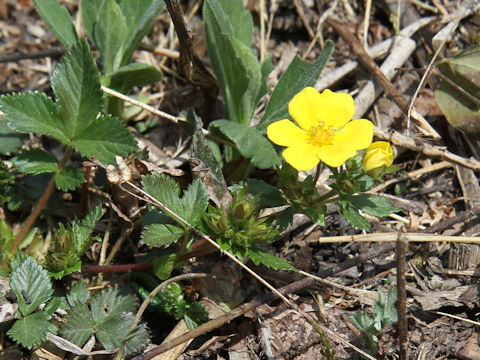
(379, 155)
(326, 131)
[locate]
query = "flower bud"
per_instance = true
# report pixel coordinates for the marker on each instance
(378, 156)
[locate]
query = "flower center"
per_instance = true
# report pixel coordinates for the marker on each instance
(320, 134)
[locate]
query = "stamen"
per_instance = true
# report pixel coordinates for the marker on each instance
(320, 134)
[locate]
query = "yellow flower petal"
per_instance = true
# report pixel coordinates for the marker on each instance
(335, 155)
(309, 107)
(357, 134)
(286, 133)
(379, 155)
(302, 158)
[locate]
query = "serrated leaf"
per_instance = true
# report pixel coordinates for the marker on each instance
(69, 178)
(35, 161)
(110, 31)
(32, 329)
(128, 76)
(78, 294)
(195, 201)
(196, 315)
(260, 256)
(33, 112)
(79, 325)
(298, 76)
(163, 188)
(140, 16)
(30, 279)
(161, 235)
(251, 143)
(76, 84)
(113, 331)
(53, 305)
(354, 218)
(58, 20)
(105, 138)
(82, 230)
(136, 340)
(371, 204)
(110, 303)
(233, 62)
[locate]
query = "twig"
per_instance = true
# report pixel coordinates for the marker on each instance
(392, 237)
(399, 139)
(367, 62)
(239, 311)
(402, 325)
(53, 52)
(460, 218)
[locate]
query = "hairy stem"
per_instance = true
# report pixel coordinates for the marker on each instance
(41, 203)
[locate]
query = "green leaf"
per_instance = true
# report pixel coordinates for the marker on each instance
(269, 195)
(108, 303)
(76, 84)
(53, 305)
(30, 279)
(105, 138)
(89, 15)
(32, 329)
(69, 178)
(33, 112)
(128, 76)
(260, 256)
(298, 76)
(163, 188)
(140, 16)
(251, 143)
(164, 265)
(136, 339)
(10, 140)
(234, 20)
(112, 332)
(58, 20)
(161, 235)
(196, 315)
(354, 218)
(195, 201)
(109, 33)
(233, 62)
(35, 161)
(78, 294)
(78, 325)
(82, 230)
(371, 204)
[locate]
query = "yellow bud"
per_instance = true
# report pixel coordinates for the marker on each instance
(379, 155)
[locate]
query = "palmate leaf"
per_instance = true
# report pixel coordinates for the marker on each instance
(32, 329)
(82, 230)
(260, 256)
(371, 204)
(136, 339)
(110, 303)
(31, 285)
(76, 84)
(58, 20)
(105, 138)
(33, 112)
(161, 235)
(78, 294)
(113, 330)
(78, 325)
(69, 178)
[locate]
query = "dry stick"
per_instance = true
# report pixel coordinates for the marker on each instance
(54, 52)
(191, 67)
(475, 211)
(392, 237)
(41, 203)
(399, 139)
(402, 324)
(239, 311)
(372, 68)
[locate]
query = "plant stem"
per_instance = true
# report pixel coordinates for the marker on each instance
(317, 174)
(41, 203)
